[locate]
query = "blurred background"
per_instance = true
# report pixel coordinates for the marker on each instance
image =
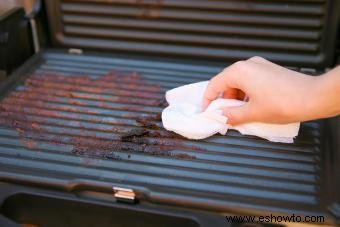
(6, 4)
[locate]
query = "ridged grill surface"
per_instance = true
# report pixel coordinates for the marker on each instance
(291, 32)
(231, 171)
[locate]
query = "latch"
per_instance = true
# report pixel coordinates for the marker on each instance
(124, 195)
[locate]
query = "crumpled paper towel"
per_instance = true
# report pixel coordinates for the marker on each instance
(184, 116)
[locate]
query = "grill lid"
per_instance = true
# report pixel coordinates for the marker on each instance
(295, 33)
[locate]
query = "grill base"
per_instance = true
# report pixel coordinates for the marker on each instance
(78, 114)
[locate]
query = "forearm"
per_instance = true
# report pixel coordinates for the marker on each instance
(327, 95)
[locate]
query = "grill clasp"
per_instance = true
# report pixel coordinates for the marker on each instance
(125, 195)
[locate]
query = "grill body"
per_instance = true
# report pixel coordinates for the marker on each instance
(77, 125)
(224, 173)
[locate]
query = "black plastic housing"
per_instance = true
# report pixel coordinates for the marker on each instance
(51, 208)
(15, 40)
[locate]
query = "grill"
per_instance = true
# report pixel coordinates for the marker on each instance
(233, 171)
(84, 125)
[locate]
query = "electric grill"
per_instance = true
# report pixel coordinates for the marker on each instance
(81, 140)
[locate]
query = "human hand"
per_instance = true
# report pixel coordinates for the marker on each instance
(276, 94)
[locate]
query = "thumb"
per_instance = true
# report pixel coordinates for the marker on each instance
(237, 114)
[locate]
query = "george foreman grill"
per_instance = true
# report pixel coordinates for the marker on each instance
(81, 139)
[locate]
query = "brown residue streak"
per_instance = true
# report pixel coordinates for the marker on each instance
(184, 156)
(94, 147)
(112, 80)
(75, 102)
(149, 9)
(35, 126)
(146, 122)
(19, 130)
(130, 91)
(40, 105)
(30, 144)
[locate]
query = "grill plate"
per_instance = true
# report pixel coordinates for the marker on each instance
(224, 173)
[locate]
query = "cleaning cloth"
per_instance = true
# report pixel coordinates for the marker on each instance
(185, 117)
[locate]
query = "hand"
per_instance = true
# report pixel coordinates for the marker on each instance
(276, 94)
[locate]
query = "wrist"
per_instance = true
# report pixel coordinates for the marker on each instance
(310, 102)
(326, 100)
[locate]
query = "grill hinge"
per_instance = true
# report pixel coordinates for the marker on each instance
(125, 195)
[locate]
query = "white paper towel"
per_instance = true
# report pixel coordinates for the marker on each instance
(184, 116)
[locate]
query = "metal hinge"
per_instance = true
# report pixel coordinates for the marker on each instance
(124, 195)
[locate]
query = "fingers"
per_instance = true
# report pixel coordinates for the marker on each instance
(237, 114)
(215, 87)
(225, 82)
(241, 95)
(260, 60)
(234, 94)
(233, 82)
(231, 94)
